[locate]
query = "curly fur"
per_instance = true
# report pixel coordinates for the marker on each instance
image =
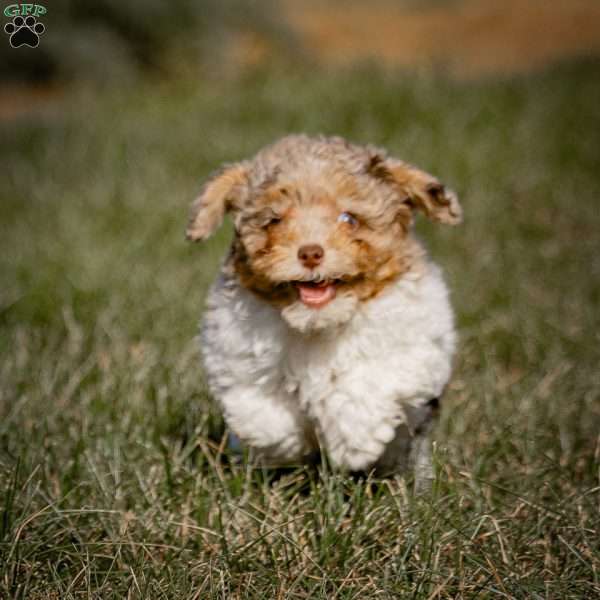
(357, 375)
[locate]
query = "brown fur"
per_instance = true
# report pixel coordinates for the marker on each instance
(293, 192)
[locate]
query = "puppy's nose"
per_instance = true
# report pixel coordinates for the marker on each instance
(311, 255)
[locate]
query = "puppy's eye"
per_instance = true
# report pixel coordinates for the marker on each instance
(346, 217)
(272, 221)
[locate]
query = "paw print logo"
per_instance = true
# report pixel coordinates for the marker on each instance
(24, 32)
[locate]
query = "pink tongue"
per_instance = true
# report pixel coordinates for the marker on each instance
(316, 296)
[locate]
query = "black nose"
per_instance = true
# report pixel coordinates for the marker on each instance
(311, 255)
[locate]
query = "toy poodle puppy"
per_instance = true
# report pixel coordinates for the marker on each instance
(328, 329)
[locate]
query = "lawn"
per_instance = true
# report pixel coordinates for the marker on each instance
(113, 480)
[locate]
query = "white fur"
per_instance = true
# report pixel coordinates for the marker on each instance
(285, 382)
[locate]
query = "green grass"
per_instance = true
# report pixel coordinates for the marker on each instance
(112, 483)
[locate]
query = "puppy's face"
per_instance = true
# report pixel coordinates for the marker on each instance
(321, 225)
(316, 247)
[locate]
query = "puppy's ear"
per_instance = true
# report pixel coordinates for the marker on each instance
(222, 192)
(418, 189)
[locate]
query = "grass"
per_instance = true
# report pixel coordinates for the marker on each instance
(112, 483)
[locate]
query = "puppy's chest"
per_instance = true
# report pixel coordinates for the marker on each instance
(398, 345)
(312, 368)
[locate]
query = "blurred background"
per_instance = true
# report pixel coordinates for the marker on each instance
(111, 42)
(108, 129)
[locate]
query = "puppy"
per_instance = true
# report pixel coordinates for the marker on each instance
(327, 328)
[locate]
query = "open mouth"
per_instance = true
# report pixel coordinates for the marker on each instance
(316, 294)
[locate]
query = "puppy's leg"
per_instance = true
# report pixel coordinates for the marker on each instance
(268, 424)
(411, 447)
(356, 433)
(391, 438)
(422, 463)
(421, 419)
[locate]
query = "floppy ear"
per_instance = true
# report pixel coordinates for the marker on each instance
(418, 189)
(221, 193)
